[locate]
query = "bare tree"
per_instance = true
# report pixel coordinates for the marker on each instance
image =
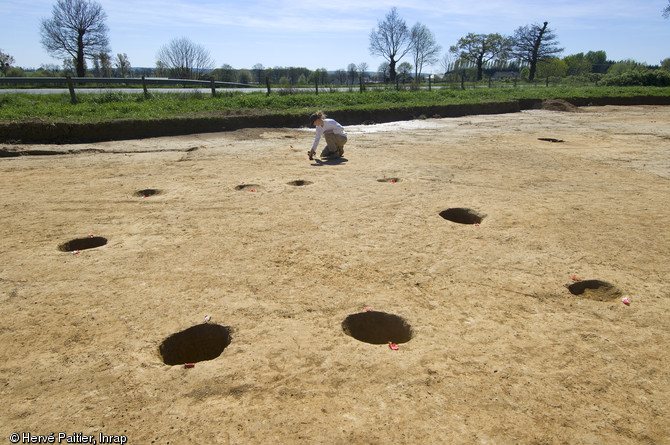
(122, 65)
(666, 10)
(184, 59)
(391, 40)
(447, 63)
(77, 30)
(424, 48)
(534, 43)
(478, 49)
(362, 68)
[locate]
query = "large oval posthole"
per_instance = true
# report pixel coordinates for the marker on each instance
(195, 344)
(377, 328)
(147, 192)
(462, 216)
(595, 290)
(90, 242)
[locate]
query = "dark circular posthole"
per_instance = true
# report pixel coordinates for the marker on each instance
(595, 290)
(377, 328)
(299, 183)
(462, 216)
(196, 344)
(388, 180)
(147, 192)
(90, 242)
(252, 187)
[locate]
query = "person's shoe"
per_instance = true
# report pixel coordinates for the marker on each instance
(311, 155)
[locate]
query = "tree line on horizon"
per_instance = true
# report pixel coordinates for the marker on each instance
(77, 32)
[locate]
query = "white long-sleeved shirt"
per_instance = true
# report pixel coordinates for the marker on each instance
(328, 124)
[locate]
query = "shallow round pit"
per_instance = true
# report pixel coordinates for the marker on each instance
(388, 180)
(251, 187)
(90, 242)
(377, 328)
(299, 183)
(147, 192)
(196, 344)
(462, 216)
(595, 290)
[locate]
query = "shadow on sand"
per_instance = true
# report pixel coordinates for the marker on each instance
(335, 161)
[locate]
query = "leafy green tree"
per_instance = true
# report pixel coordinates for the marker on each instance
(352, 72)
(578, 65)
(533, 43)
(319, 76)
(391, 40)
(665, 64)
(15, 71)
(598, 61)
(5, 62)
(622, 67)
(383, 71)
(405, 72)
(48, 70)
(479, 49)
(259, 72)
(105, 64)
(340, 77)
(76, 30)
(224, 74)
(244, 76)
(553, 67)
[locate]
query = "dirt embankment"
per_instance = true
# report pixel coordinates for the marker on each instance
(67, 132)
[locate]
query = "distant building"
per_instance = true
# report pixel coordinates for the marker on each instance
(500, 75)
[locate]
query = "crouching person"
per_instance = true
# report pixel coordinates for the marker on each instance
(332, 131)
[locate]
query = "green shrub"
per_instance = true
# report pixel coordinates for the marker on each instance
(645, 78)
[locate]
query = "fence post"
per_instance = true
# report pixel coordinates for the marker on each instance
(316, 84)
(430, 83)
(360, 78)
(144, 87)
(547, 84)
(70, 85)
(463, 81)
(267, 82)
(213, 83)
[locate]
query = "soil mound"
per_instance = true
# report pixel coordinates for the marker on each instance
(558, 105)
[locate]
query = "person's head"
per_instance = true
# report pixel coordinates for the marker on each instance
(317, 118)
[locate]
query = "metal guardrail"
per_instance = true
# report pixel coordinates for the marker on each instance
(148, 81)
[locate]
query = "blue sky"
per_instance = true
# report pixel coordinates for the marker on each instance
(333, 34)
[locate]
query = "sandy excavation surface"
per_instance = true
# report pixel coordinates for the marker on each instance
(285, 255)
